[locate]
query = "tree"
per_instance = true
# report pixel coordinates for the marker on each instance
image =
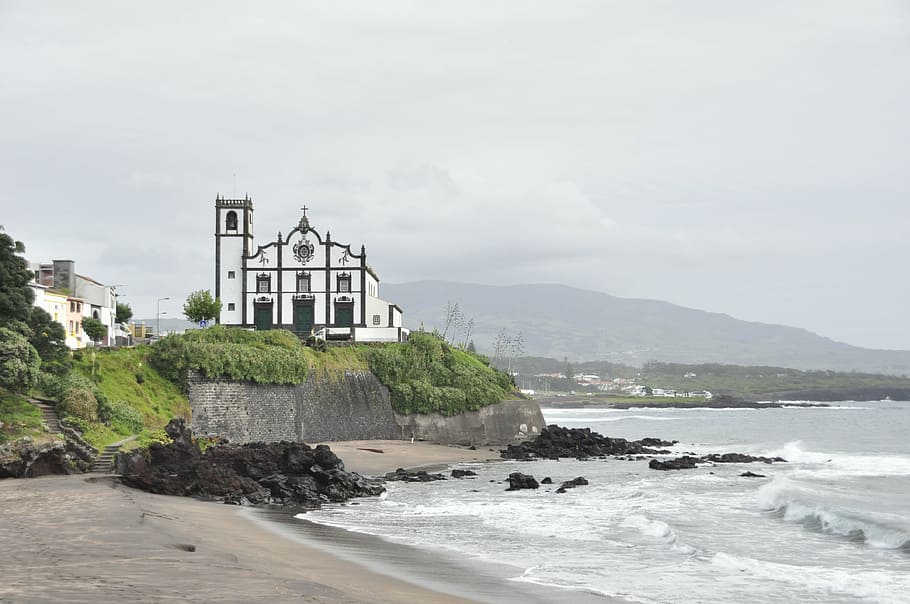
(467, 328)
(94, 328)
(47, 336)
(451, 318)
(516, 349)
(200, 306)
(16, 296)
(19, 361)
(124, 312)
(500, 344)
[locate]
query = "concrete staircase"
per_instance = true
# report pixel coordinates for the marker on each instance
(105, 461)
(49, 415)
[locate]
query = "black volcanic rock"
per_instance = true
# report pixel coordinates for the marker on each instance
(402, 475)
(685, 462)
(571, 484)
(752, 475)
(556, 442)
(456, 473)
(284, 473)
(740, 458)
(518, 481)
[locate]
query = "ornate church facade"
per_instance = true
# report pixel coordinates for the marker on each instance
(303, 282)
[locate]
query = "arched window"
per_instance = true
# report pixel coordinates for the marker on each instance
(231, 221)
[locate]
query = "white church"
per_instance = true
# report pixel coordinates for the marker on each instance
(305, 283)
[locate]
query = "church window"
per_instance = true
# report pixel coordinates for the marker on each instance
(232, 275)
(344, 283)
(303, 283)
(377, 319)
(231, 306)
(263, 283)
(231, 221)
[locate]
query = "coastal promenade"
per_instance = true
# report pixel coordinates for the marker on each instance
(84, 538)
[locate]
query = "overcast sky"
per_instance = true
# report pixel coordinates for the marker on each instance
(751, 158)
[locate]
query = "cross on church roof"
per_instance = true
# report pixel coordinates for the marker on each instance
(304, 222)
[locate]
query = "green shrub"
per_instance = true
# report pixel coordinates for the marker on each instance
(80, 402)
(426, 375)
(19, 361)
(272, 357)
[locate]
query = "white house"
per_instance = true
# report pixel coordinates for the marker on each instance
(85, 297)
(304, 282)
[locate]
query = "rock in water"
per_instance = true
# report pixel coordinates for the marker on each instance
(686, 462)
(403, 475)
(518, 481)
(285, 472)
(555, 442)
(456, 473)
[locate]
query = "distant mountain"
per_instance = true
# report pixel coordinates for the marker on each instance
(558, 321)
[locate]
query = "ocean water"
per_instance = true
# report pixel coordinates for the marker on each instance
(831, 525)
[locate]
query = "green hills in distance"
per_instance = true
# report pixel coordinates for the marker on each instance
(558, 321)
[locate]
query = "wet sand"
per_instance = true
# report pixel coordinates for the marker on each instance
(362, 456)
(87, 539)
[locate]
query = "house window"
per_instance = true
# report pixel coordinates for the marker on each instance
(232, 275)
(231, 306)
(231, 221)
(344, 283)
(263, 283)
(377, 320)
(72, 309)
(303, 283)
(71, 327)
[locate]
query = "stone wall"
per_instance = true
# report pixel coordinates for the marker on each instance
(350, 406)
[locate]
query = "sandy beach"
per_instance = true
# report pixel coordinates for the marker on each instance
(86, 538)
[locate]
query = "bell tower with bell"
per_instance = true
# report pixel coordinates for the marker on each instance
(233, 242)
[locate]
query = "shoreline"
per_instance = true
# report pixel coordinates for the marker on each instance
(85, 538)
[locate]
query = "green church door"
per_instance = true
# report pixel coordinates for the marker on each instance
(304, 317)
(344, 315)
(262, 317)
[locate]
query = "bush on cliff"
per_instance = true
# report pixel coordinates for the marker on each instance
(426, 375)
(270, 357)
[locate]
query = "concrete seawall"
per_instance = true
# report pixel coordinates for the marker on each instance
(354, 405)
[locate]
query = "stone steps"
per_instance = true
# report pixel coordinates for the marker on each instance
(105, 461)
(49, 416)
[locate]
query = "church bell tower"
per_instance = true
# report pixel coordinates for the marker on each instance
(233, 242)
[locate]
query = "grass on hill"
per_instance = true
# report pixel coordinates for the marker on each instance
(424, 375)
(112, 394)
(19, 418)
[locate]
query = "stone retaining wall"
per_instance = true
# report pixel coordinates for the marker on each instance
(350, 406)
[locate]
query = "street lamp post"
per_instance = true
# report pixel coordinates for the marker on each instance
(158, 317)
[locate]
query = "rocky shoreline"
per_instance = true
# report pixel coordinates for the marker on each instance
(276, 473)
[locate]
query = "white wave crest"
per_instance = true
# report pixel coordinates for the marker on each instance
(844, 463)
(658, 529)
(794, 504)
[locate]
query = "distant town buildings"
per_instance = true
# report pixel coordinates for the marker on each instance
(69, 297)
